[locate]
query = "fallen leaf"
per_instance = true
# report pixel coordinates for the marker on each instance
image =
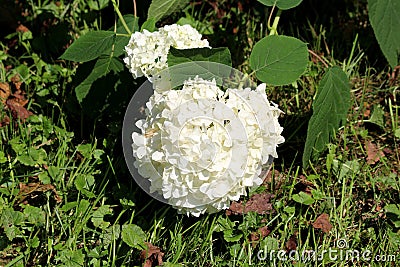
(152, 256)
(18, 110)
(260, 234)
(5, 92)
(33, 190)
(22, 28)
(259, 203)
(373, 153)
(291, 244)
(16, 80)
(322, 222)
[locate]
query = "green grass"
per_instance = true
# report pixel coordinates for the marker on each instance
(67, 198)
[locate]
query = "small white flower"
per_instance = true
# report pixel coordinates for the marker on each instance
(146, 52)
(201, 147)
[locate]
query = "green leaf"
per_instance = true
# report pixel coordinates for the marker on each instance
(89, 46)
(134, 236)
(218, 55)
(54, 172)
(98, 4)
(35, 215)
(303, 198)
(329, 112)
(281, 4)
(103, 66)
(279, 60)
(149, 25)
(384, 16)
(122, 41)
(3, 158)
(377, 116)
(98, 216)
(84, 183)
(393, 208)
(33, 157)
(161, 8)
(203, 62)
(70, 258)
(229, 236)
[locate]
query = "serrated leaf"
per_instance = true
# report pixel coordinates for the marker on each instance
(205, 63)
(218, 55)
(89, 46)
(329, 112)
(303, 198)
(98, 216)
(279, 60)
(161, 8)
(384, 16)
(122, 41)
(134, 236)
(281, 4)
(103, 66)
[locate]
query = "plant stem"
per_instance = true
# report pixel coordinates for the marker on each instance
(121, 17)
(274, 27)
(318, 57)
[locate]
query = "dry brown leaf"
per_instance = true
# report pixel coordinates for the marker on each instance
(323, 223)
(291, 244)
(32, 190)
(373, 153)
(22, 28)
(260, 234)
(152, 256)
(5, 92)
(260, 203)
(17, 109)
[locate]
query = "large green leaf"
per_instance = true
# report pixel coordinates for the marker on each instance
(89, 46)
(134, 236)
(103, 66)
(279, 60)
(218, 55)
(384, 16)
(281, 4)
(329, 111)
(205, 63)
(161, 8)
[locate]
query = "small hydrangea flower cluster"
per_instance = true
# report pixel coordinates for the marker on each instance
(147, 51)
(200, 147)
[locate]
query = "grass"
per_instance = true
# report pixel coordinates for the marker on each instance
(67, 198)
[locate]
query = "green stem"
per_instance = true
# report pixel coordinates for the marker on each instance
(274, 29)
(121, 17)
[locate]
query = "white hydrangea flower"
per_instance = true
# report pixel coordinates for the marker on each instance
(201, 147)
(146, 52)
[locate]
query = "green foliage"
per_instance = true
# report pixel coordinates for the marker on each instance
(303, 198)
(219, 55)
(329, 112)
(160, 8)
(385, 19)
(103, 66)
(134, 236)
(279, 60)
(281, 4)
(90, 46)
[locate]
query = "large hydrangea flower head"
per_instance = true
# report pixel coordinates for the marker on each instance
(146, 52)
(201, 147)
